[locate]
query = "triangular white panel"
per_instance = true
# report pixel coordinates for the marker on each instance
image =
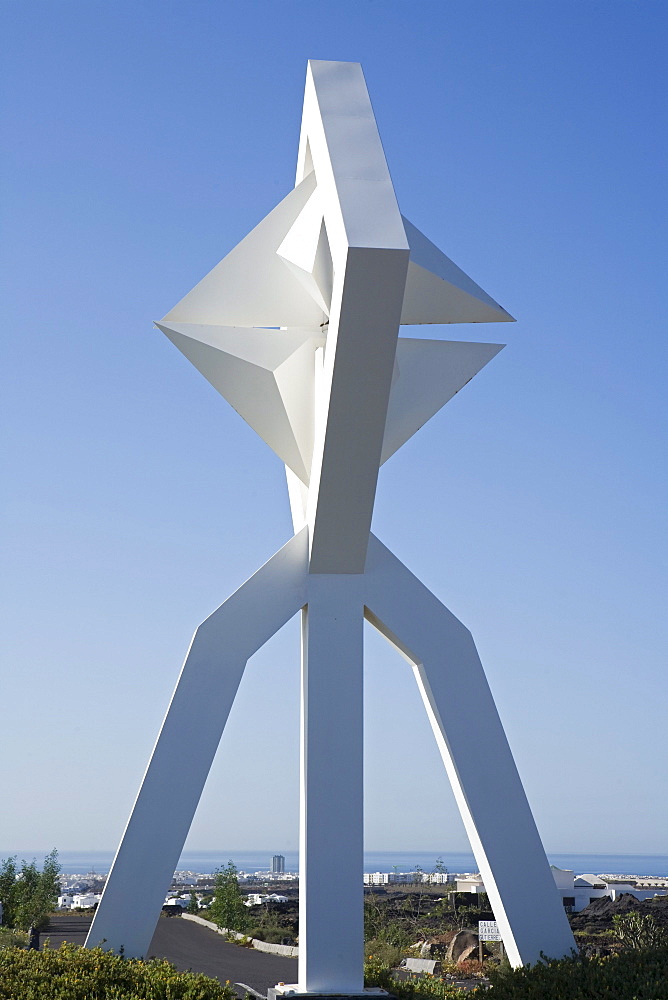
(305, 250)
(430, 373)
(251, 285)
(295, 379)
(437, 291)
(323, 268)
(300, 243)
(266, 375)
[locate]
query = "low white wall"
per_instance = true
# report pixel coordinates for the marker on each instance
(290, 951)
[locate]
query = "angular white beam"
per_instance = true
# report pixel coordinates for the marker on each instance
(478, 760)
(340, 144)
(339, 141)
(153, 840)
(331, 918)
(357, 376)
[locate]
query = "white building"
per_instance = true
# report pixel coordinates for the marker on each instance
(171, 899)
(576, 893)
(378, 878)
(185, 878)
(256, 898)
(659, 886)
(469, 883)
(587, 888)
(78, 900)
(407, 878)
(392, 878)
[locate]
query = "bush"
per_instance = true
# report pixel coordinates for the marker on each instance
(241, 942)
(11, 938)
(639, 930)
(27, 894)
(228, 908)
(383, 952)
(630, 975)
(471, 967)
(422, 988)
(275, 935)
(75, 973)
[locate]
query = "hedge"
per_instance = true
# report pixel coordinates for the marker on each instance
(75, 973)
(629, 975)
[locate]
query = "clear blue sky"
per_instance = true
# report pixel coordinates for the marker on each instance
(143, 140)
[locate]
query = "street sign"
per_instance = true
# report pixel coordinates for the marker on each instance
(488, 930)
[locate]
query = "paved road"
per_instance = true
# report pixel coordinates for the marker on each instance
(66, 927)
(189, 946)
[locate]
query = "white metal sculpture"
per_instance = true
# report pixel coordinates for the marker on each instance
(298, 328)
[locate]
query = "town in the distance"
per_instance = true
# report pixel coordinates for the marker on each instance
(189, 888)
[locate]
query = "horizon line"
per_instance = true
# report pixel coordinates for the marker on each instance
(367, 850)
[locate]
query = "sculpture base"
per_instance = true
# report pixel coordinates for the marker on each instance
(293, 991)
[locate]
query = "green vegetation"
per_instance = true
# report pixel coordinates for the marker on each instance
(630, 975)
(75, 973)
(385, 953)
(639, 931)
(277, 923)
(27, 895)
(421, 988)
(387, 924)
(272, 933)
(397, 920)
(11, 938)
(228, 908)
(628, 961)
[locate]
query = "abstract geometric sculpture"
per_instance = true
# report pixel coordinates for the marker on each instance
(298, 328)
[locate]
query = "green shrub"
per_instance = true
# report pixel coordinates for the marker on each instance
(274, 935)
(228, 908)
(241, 942)
(12, 938)
(471, 968)
(630, 975)
(385, 953)
(75, 973)
(27, 894)
(271, 933)
(639, 931)
(421, 988)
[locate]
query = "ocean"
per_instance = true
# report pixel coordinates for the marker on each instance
(204, 862)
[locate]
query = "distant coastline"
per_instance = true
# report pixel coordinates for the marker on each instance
(81, 862)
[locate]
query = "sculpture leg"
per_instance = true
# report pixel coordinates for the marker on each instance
(331, 915)
(477, 758)
(171, 789)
